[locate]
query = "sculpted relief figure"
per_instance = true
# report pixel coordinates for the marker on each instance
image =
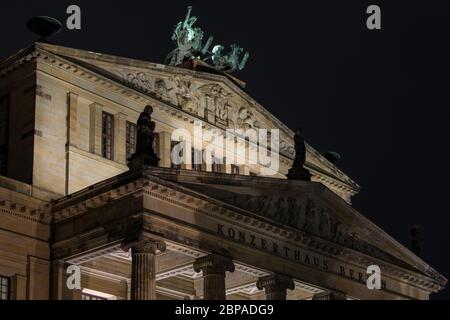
(186, 100)
(217, 100)
(161, 90)
(222, 104)
(137, 80)
(245, 119)
(307, 215)
(283, 145)
(302, 213)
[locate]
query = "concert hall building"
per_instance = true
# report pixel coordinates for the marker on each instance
(172, 231)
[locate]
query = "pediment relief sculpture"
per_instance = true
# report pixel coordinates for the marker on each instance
(241, 112)
(161, 90)
(138, 80)
(211, 101)
(200, 99)
(245, 119)
(217, 101)
(186, 97)
(308, 215)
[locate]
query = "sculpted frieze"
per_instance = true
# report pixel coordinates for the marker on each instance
(245, 119)
(186, 97)
(161, 90)
(137, 80)
(305, 214)
(217, 101)
(212, 101)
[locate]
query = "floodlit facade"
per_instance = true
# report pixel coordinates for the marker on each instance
(175, 231)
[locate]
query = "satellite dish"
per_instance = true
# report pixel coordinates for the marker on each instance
(44, 26)
(332, 156)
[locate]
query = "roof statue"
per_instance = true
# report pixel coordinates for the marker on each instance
(229, 62)
(145, 151)
(189, 41)
(298, 171)
(189, 45)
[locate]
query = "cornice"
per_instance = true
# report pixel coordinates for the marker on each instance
(40, 215)
(22, 58)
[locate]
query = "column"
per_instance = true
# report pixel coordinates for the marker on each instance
(275, 286)
(214, 267)
(143, 268)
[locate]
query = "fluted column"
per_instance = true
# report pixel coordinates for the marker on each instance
(143, 269)
(275, 286)
(214, 267)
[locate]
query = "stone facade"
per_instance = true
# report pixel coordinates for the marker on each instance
(171, 233)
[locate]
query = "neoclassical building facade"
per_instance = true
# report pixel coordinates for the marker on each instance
(173, 231)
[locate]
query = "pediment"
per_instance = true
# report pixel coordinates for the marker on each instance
(317, 212)
(214, 98)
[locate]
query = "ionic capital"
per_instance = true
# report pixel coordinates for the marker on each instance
(144, 244)
(275, 283)
(214, 264)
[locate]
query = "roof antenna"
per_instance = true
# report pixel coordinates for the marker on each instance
(44, 27)
(415, 239)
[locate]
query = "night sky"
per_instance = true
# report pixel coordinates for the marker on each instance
(379, 98)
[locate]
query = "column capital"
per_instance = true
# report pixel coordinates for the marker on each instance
(214, 264)
(275, 286)
(144, 244)
(330, 295)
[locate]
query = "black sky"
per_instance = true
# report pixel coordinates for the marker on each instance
(379, 98)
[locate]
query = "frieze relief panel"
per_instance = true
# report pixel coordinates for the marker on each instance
(306, 214)
(211, 101)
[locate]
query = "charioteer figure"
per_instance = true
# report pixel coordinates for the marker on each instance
(298, 172)
(145, 138)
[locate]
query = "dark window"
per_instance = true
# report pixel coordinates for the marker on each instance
(156, 144)
(234, 169)
(107, 135)
(197, 166)
(252, 174)
(4, 288)
(4, 128)
(130, 139)
(172, 164)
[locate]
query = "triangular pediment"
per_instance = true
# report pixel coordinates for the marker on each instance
(310, 208)
(293, 212)
(215, 98)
